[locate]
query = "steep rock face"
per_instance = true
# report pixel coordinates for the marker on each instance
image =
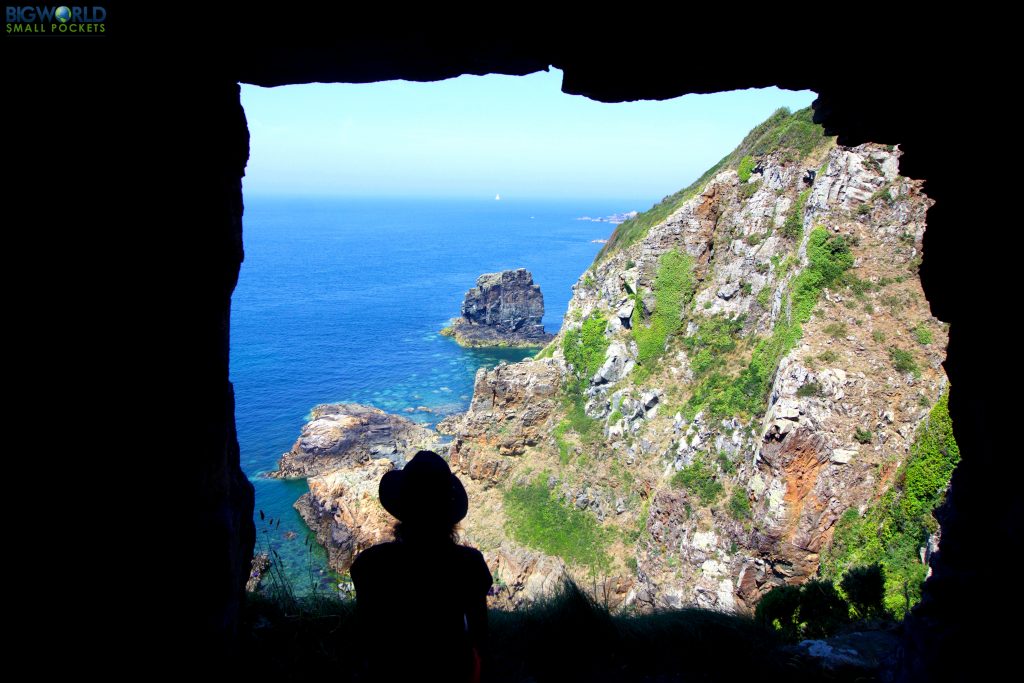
(509, 413)
(785, 473)
(343, 509)
(344, 434)
(521, 575)
(504, 309)
(800, 466)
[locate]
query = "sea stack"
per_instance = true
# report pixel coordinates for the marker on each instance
(504, 309)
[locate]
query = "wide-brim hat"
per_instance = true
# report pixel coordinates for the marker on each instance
(424, 491)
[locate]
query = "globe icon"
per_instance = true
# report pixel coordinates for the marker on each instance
(63, 14)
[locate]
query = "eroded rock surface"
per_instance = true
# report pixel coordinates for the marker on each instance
(504, 309)
(346, 434)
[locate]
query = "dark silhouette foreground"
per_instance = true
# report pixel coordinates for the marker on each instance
(422, 599)
(562, 638)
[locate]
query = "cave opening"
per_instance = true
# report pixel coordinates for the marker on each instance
(887, 84)
(326, 312)
(393, 257)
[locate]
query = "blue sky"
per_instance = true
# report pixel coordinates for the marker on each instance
(475, 136)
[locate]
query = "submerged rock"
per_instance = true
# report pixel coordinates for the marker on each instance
(504, 309)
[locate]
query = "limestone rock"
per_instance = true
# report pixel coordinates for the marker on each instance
(617, 364)
(842, 456)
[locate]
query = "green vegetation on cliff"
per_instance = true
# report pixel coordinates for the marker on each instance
(538, 520)
(715, 336)
(547, 352)
(903, 361)
(794, 225)
(745, 168)
(892, 531)
(793, 134)
(673, 291)
(813, 610)
(698, 478)
(739, 504)
(828, 259)
(584, 349)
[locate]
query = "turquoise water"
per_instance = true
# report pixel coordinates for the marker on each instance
(342, 300)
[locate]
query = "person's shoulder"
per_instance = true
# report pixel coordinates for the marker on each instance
(380, 550)
(475, 563)
(470, 553)
(373, 555)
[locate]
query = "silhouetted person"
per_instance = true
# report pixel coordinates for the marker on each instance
(422, 599)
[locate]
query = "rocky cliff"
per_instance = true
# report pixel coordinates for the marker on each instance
(341, 435)
(504, 309)
(742, 366)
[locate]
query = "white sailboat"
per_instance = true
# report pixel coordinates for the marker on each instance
(497, 197)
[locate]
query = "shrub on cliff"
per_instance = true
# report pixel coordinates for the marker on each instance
(903, 361)
(745, 395)
(892, 531)
(739, 505)
(793, 227)
(698, 479)
(584, 348)
(673, 290)
(813, 610)
(865, 589)
(714, 337)
(745, 168)
(778, 610)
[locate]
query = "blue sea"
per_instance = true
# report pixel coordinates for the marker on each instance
(341, 300)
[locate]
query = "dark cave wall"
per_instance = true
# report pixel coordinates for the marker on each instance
(982, 506)
(149, 290)
(211, 233)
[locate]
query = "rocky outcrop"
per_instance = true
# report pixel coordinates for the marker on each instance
(509, 413)
(260, 565)
(341, 435)
(343, 509)
(522, 575)
(504, 309)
